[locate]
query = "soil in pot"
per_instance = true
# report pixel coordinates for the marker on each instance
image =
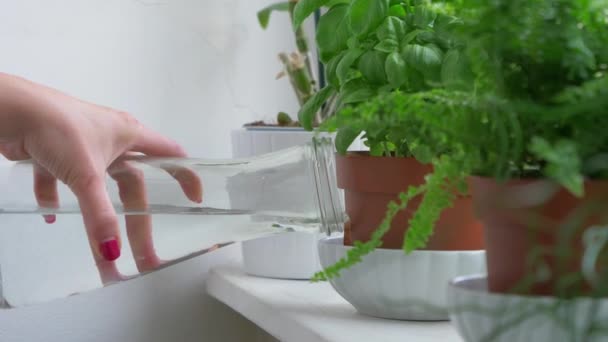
(267, 124)
(370, 183)
(534, 234)
(283, 120)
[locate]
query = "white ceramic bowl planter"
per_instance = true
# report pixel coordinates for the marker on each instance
(390, 284)
(483, 316)
(290, 255)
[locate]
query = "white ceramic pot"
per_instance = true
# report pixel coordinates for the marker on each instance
(291, 255)
(250, 142)
(288, 255)
(482, 316)
(390, 284)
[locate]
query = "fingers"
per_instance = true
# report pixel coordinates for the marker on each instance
(188, 180)
(14, 151)
(154, 144)
(99, 217)
(45, 190)
(133, 196)
(109, 273)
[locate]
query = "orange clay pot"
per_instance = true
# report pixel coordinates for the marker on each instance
(370, 183)
(523, 222)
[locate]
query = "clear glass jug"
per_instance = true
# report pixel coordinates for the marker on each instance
(291, 190)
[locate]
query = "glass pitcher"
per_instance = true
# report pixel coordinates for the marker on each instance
(290, 190)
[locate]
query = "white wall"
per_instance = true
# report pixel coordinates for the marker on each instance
(192, 69)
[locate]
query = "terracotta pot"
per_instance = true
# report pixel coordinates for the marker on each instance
(370, 183)
(533, 234)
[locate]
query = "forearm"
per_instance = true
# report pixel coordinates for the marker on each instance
(16, 98)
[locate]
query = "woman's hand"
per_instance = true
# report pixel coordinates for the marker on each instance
(76, 142)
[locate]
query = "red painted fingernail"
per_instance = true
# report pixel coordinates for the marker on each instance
(50, 219)
(109, 250)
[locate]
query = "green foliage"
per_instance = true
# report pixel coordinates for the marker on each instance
(505, 89)
(563, 163)
(364, 16)
(297, 65)
(396, 70)
(264, 14)
(361, 249)
(374, 47)
(312, 106)
(371, 66)
(304, 8)
(283, 119)
(332, 32)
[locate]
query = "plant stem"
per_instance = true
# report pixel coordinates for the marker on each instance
(328, 109)
(302, 44)
(298, 76)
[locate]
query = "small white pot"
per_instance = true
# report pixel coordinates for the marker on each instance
(254, 141)
(390, 284)
(250, 142)
(288, 255)
(291, 255)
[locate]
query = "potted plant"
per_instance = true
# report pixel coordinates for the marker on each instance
(527, 139)
(372, 49)
(537, 170)
(294, 255)
(298, 67)
(545, 92)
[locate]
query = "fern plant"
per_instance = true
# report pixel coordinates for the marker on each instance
(536, 107)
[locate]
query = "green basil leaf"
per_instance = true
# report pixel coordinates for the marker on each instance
(397, 11)
(333, 3)
(352, 75)
(357, 96)
(331, 70)
(355, 91)
(387, 46)
(345, 137)
(332, 32)
(308, 111)
(353, 43)
(411, 36)
(396, 70)
(342, 71)
(425, 37)
(391, 28)
(426, 59)
(371, 65)
(423, 17)
(264, 14)
(304, 8)
(366, 15)
(445, 27)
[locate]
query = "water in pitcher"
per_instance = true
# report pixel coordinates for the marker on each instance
(287, 191)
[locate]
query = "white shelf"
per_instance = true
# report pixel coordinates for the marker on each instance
(294, 311)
